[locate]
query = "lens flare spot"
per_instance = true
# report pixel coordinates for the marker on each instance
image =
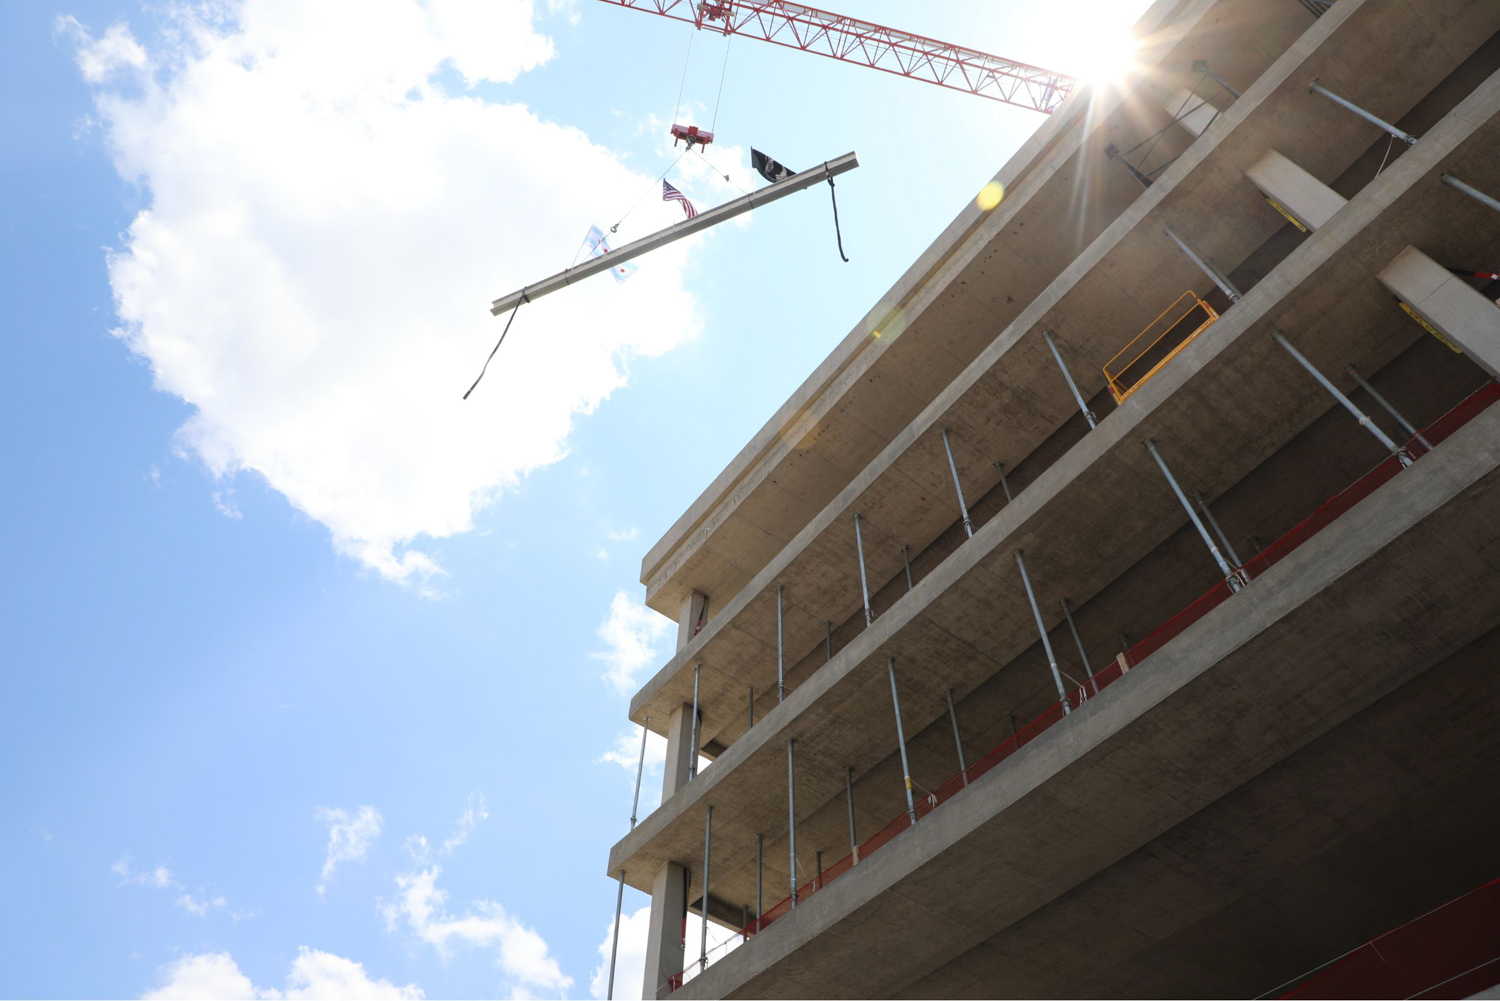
(887, 323)
(990, 195)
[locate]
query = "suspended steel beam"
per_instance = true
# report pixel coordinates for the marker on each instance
(703, 220)
(864, 43)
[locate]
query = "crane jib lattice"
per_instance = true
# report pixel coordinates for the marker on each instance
(861, 42)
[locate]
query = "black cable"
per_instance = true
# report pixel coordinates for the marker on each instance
(499, 342)
(723, 70)
(833, 194)
(653, 186)
(683, 82)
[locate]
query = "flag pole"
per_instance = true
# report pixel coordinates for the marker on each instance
(703, 220)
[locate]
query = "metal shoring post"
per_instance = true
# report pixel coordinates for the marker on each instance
(1472, 192)
(911, 808)
(1220, 278)
(780, 661)
(1214, 524)
(1374, 395)
(1082, 653)
(708, 827)
(1201, 66)
(906, 561)
(864, 585)
(849, 789)
(963, 508)
(1088, 414)
(1062, 693)
(1317, 88)
(1232, 578)
(760, 864)
(791, 807)
(609, 992)
(693, 741)
(958, 741)
(1213, 273)
(830, 640)
(639, 768)
(752, 708)
(818, 861)
(1004, 483)
(1400, 453)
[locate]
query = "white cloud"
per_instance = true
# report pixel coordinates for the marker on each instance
(204, 975)
(520, 951)
(314, 974)
(630, 962)
(225, 504)
(624, 535)
(472, 816)
(99, 58)
(159, 878)
(349, 838)
(627, 751)
(627, 754)
(632, 635)
(199, 908)
(326, 228)
(417, 847)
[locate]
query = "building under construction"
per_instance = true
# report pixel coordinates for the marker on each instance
(1114, 612)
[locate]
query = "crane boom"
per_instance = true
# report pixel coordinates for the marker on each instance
(853, 41)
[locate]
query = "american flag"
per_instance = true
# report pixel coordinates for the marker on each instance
(671, 194)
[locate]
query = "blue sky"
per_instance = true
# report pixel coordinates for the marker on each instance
(278, 607)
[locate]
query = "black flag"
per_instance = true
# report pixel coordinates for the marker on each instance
(769, 169)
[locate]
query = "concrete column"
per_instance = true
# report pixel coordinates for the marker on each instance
(687, 619)
(1196, 112)
(1300, 195)
(664, 940)
(665, 955)
(679, 751)
(1447, 306)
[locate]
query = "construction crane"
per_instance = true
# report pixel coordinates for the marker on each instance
(854, 41)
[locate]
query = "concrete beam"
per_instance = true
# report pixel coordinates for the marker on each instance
(1447, 305)
(1197, 112)
(1293, 190)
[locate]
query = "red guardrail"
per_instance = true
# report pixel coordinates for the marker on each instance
(1329, 512)
(1325, 515)
(1451, 952)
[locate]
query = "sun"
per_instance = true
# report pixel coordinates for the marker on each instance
(1104, 54)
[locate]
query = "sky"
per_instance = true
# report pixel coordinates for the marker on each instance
(316, 674)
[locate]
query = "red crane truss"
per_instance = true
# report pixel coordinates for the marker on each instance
(853, 41)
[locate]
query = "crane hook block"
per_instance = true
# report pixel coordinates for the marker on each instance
(691, 134)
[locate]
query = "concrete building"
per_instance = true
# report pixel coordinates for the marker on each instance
(1112, 612)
